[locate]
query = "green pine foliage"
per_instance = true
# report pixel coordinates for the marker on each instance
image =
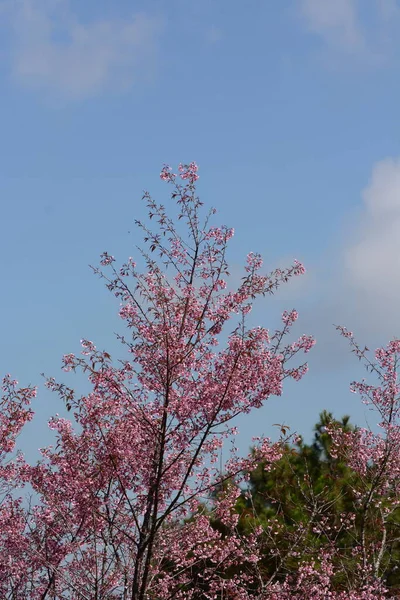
(311, 499)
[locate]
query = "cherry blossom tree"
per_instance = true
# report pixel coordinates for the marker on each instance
(118, 512)
(15, 411)
(375, 457)
(361, 549)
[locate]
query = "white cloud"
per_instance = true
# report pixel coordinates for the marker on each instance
(336, 21)
(357, 283)
(52, 50)
(372, 261)
(365, 30)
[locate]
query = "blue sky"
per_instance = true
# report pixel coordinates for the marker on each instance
(290, 109)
